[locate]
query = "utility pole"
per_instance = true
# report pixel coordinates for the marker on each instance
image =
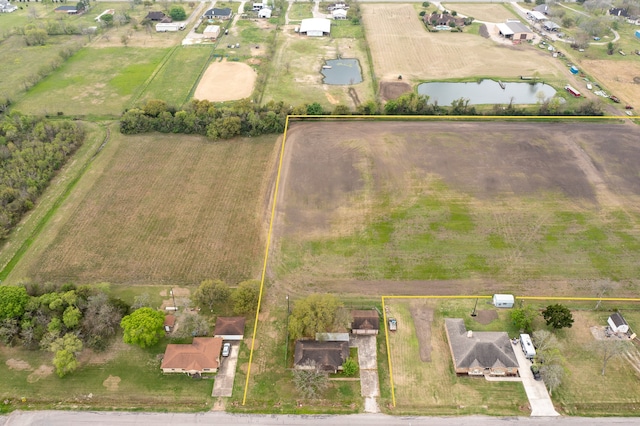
(174, 298)
(473, 314)
(286, 348)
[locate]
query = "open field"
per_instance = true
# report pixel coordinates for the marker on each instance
(400, 45)
(226, 81)
(93, 81)
(449, 208)
(158, 209)
(173, 82)
(482, 12)
(295, 76)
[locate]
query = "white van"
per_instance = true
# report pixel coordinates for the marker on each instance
(527, 346)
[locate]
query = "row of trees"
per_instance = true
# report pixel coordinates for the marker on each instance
(556, 316)
(218, 294)
(32, 149)
(61, 320)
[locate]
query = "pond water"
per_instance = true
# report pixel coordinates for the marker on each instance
(342, 71)
(486, 92)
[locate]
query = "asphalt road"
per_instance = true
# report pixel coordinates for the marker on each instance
(70, 418)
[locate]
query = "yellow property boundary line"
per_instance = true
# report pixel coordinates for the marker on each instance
(550, 298)
(384, 118)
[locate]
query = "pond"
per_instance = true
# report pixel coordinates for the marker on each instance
(486, 92)
(342, 72)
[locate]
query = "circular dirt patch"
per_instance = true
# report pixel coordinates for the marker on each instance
(111, 383)
(42, 372)
(18, 364)
(226, 81)
(485, 317)
(393, 89)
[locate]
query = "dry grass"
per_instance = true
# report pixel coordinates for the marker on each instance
(401, 45)
(159, 208)
(618, 77)
(482, 12)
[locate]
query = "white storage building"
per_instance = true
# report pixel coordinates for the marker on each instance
(503, 300)
(617, 323)
(315, 27)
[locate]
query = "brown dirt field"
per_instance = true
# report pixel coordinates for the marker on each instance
(393, 89)
(18, 364)
(485, 317)
(618, 77)
(159, 209)
(422, 316)
(482, 12)
(40, 373)
(401, 45)
(226, 81)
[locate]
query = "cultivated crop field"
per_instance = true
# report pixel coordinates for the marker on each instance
(459, 208)
(93, 81)
(158, 209)
(400, 45)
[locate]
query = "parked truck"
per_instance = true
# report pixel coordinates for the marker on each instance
(170, 26)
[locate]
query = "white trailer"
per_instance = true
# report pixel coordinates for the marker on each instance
(527, 346)
(503, 300)
(170, 26)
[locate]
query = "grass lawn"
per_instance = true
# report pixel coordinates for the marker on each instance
(93, 82)
(346, 29)
(173, 82)
(300, 11)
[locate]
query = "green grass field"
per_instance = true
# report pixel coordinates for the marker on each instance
(300, 11)
(93, 82)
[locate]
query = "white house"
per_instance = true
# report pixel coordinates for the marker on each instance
(264, 13)
(339, 14)
(6, 7)
(503, 300)
(315, 27)
(617, 323)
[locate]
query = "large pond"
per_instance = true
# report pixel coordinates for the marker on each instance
(342, 71)
(487, 92)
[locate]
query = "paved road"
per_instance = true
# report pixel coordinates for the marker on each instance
(73, 418)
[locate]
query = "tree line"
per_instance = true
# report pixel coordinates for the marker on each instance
(248, 119)
(32, 149)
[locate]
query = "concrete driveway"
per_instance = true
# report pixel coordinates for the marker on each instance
(223, 385)
(539, 399)
(368, 363)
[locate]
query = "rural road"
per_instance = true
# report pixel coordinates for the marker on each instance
(66, 418)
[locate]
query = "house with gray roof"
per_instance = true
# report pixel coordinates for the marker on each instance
(480, 353)
(322, 356)
(365, 321)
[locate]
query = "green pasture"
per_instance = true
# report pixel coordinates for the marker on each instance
(300, 11)
(94, 81)
(21, 17)
(346, 29)
(174, 80)
(447, 235)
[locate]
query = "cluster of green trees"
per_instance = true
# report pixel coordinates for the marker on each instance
(59, 319)
(216, 295)
(31, 150)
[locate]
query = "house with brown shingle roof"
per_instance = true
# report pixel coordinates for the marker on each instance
(229, 328)
(479, 353)
(201, 356)
(322, 356)
(365, 322)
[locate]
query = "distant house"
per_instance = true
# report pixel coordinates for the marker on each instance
(211, 31)
(264, 13)
(442, 19)
(229, 328)
(536, 16)
(6, 7)
(543, 8)
(158, 17)
(480, 353)
(69, 10)
(365, 321)
(215, 13)
(336, 6)
(169, 323)
(515, 30)
(315, 27)
(550, 26)
(617, 323)
(258, 6)
(619, 11)
(339, 14)
(201, 356)
(323, 356)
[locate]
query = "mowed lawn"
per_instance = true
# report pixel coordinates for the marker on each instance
(173, 82)
(94, 81)
(158, 209)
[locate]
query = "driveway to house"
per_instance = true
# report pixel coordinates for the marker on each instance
(539, 399)
(368, 363)
(223, 385)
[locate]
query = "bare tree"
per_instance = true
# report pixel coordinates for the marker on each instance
(552, 374)
(609, 349)
(310, 382)
(603, 287)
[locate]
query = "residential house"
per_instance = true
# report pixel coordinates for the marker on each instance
(158, 17)
(617, 323)
(336, 6)
(201, 356)
(365, 321)
(536, 16)
(264, 13)
(69, 10)
(216, 13)
(229, 328)
(550, 26)
(339, 14)
(443, 19)
(542, 8)
(6, 7)
(480, 353)
(323, 356)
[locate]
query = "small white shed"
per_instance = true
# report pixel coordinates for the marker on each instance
(503, 300)
(617, 323)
